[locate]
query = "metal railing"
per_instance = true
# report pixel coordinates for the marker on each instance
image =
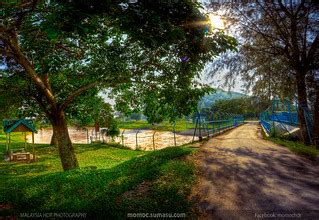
(151, 139)
(282, 115)
(212, 127)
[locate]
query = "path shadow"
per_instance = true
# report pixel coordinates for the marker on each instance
(255, 181)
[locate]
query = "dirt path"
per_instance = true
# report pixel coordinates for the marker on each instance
(243, 176)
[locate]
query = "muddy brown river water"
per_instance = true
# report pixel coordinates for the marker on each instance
(162, 139)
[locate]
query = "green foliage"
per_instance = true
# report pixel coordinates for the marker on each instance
(140, 124)
(151, 51)
(11, 96)
(148, 51)
(136, 116)
(249, 106)
(169, 102)
(88, 109)
(180, 125)
(102, 185)
(113, 129)
(153, 28)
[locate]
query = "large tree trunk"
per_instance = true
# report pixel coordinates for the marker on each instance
(302, 105)
(49, 106)
(63, 141)
(316, 120)
(53, 141)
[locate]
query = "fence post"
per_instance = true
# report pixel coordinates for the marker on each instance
(123, 137)
(25, 140)
(33, 149)
(213, 124)
(136, 139)
(195, 129)
(154, 140)
(273, 124)
(218, 124)
(174, 134)
(200, 130)
(186, 121)
(7, 143)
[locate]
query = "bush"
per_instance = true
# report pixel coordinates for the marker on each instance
(113, 129)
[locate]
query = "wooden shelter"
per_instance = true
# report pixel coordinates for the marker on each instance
(19, 125)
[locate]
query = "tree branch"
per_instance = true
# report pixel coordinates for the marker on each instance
(76, 93)
(313, 48)
(41, 104)
(82, 89)
(21, 16)
(68, 50)
(7, 53)
(24, 62)
(47, 82)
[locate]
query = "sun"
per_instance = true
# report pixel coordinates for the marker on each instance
(216, 21)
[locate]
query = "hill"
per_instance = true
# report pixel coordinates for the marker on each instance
(208, 100)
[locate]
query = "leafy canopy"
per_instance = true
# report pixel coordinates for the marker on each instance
(148, 51)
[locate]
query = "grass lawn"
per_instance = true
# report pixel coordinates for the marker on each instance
(110, 181)
(309, 152)
(181, 125)
(138, 124)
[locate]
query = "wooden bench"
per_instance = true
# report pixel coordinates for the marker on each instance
(20, 156)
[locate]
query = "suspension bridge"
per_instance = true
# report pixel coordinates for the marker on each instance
(210, 123)
(281, 118)
(241, 172)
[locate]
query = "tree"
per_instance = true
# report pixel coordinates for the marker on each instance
(136, 116)
(65, 48)
(179, 96)
(88, 109)
(113, 129)
(280, 40)
(246, 106)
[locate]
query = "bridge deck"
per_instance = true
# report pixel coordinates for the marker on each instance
(242, 172)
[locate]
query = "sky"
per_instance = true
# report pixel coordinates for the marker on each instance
(217, 80)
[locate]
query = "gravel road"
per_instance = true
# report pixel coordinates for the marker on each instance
(243, 176)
